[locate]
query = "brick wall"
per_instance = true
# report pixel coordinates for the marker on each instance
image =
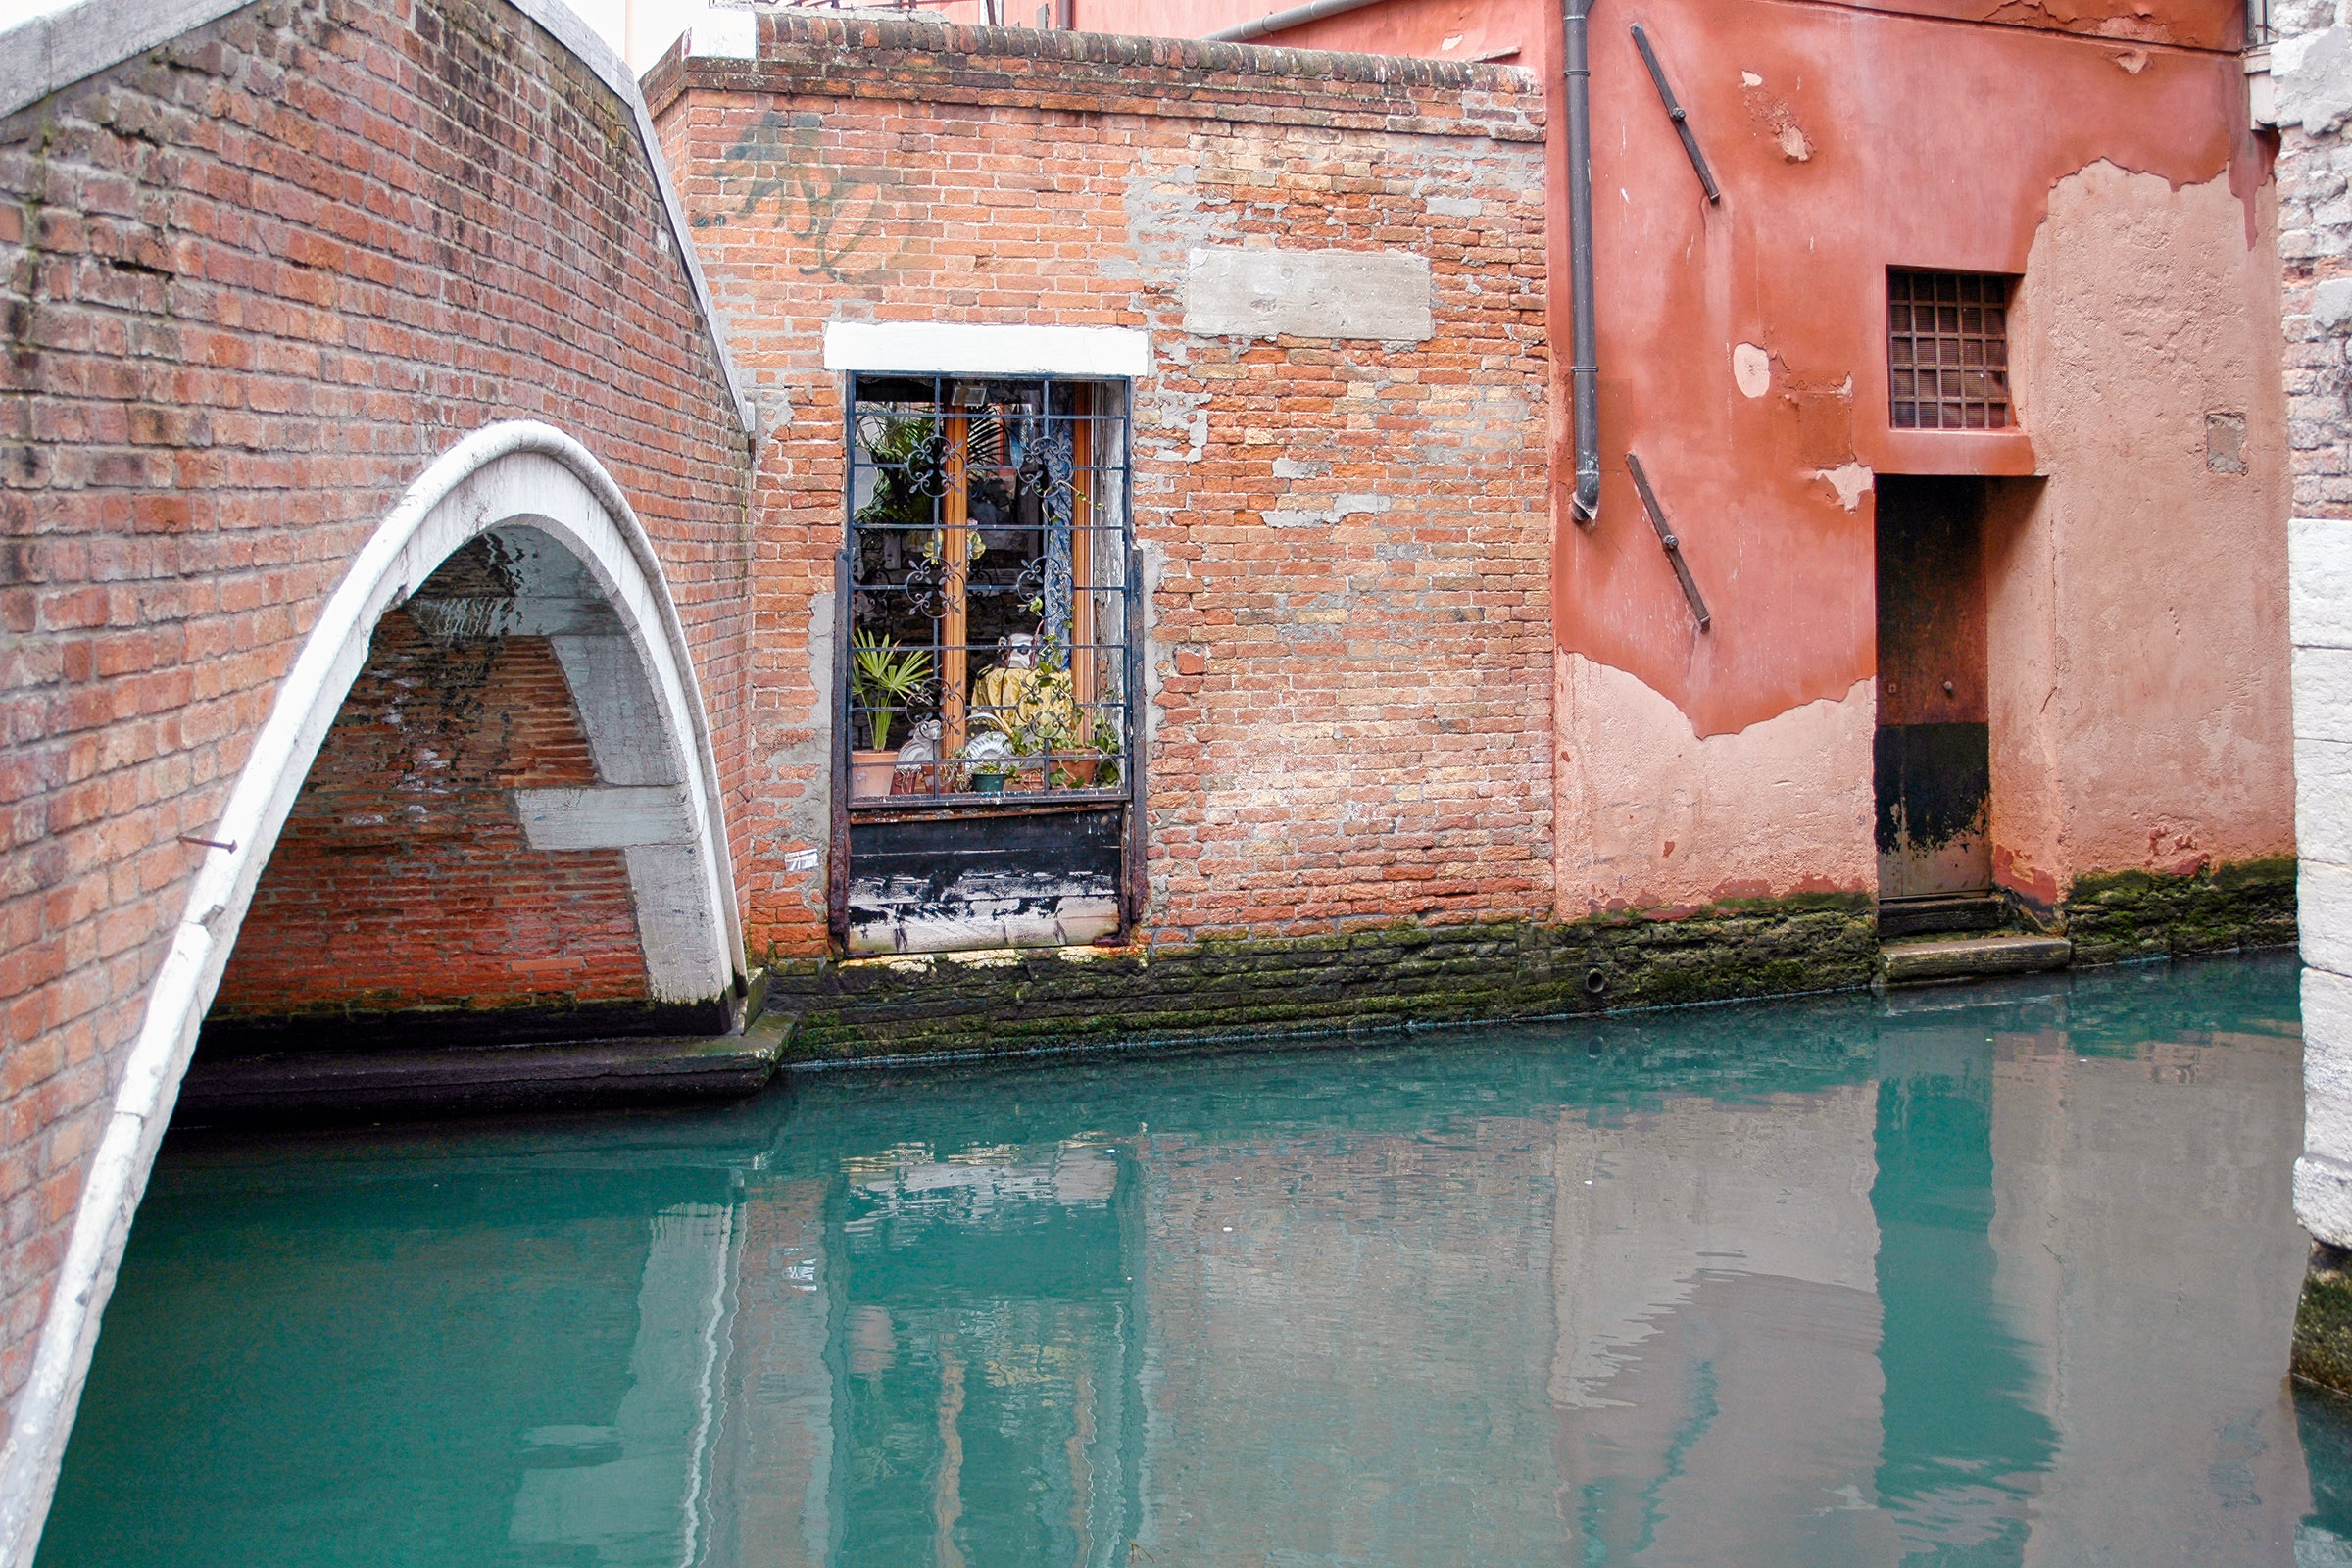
(253, 281)
(1351, 719)
(2315, 249)
(402, 878)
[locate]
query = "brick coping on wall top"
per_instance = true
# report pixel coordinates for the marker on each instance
(928, 59)
(52, 52)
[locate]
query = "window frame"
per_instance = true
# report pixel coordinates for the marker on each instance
(1997, 390)
(1128, 793)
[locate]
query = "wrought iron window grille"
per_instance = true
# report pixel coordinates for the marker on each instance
(991, 656)
(1947, 362)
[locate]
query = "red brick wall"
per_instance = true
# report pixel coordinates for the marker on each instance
(251, 284)
(1352, 721)
(402, 877)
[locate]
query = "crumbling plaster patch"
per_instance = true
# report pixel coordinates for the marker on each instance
(1652, 815)
(1849, 481)
(1752, 370)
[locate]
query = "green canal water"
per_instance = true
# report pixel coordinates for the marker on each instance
(1984, 1277)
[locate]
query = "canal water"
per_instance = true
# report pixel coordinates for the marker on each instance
(1966, 1277)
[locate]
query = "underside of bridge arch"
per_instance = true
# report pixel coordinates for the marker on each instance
(493, 844)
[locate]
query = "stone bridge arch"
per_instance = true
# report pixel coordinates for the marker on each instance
(574, 565)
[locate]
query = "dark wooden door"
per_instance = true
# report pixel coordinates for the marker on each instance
(1934, 770)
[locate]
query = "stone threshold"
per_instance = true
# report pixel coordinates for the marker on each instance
(1926, 960)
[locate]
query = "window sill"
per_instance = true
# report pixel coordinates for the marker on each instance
(901, 807)
(1992, 453)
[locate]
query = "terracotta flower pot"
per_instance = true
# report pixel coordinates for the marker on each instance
(871, 774)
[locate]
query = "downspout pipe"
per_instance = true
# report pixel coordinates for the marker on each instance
(1275, 22)
(1583, 370)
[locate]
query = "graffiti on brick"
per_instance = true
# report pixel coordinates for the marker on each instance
(843, 212)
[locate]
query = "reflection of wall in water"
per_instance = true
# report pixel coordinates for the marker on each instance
(1349, 1337)
(1716, 1375)
(2149, 1262)
(634, 1492)
(772, 1469)
(1965, 1438)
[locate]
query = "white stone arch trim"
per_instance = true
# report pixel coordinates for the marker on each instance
(514, 472)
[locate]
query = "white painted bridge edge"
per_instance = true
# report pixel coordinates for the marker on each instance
(76, 41)
(2319, 556)
(518, 472)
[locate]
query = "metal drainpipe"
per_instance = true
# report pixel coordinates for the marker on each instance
(1584, 373)
(1277, 22)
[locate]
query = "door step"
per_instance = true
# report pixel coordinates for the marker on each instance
(1922, 960)
(1912, 917)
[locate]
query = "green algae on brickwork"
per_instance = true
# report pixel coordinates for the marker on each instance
(1384, 978)
(2322, 1345)
(2117, 915)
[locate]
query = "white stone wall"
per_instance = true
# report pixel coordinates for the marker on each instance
(2312, 77)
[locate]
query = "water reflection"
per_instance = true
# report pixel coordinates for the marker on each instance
(1997, 1278)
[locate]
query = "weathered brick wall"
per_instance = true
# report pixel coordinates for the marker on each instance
(2315, 249)
(1351, 719)
(254, 280)
(402, 878)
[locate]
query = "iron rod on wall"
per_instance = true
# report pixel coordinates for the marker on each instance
(1666, 539)
(1674, 111)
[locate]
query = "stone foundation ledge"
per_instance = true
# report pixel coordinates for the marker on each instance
(865, 1009)
(2117, 916)
(1013, 1000)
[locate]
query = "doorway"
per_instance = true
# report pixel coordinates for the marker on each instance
(1932, 748)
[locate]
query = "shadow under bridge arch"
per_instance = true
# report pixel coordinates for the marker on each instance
(509, 686)
(414, 708)
(562, 557)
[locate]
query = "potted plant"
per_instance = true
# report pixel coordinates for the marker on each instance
(989, 759)
(1102, 769)
(884, 679)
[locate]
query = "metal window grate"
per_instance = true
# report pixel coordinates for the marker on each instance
(990, 649)
(1948, 349)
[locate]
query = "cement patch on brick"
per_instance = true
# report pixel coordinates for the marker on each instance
(1384, 295)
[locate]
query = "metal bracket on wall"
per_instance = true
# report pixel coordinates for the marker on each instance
(1674, 111)
(1666, 538)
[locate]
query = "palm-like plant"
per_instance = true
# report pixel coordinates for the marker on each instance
(884, 677)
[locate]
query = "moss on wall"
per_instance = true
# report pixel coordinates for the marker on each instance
(1405, 973)
(1369, 979)
(2323, 1346)
(2119, 915)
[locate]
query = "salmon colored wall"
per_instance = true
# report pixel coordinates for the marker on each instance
(2140, 709)
(1845, 142)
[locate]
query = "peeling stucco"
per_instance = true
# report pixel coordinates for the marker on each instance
(1652, 815)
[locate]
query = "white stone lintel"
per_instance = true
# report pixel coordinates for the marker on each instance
(965, 348)
(605, 816)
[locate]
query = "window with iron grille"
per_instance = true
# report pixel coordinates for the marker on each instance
(989, 665)
(1948, 349)
(987, 567)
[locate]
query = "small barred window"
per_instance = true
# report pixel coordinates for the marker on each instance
(1948, 349)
